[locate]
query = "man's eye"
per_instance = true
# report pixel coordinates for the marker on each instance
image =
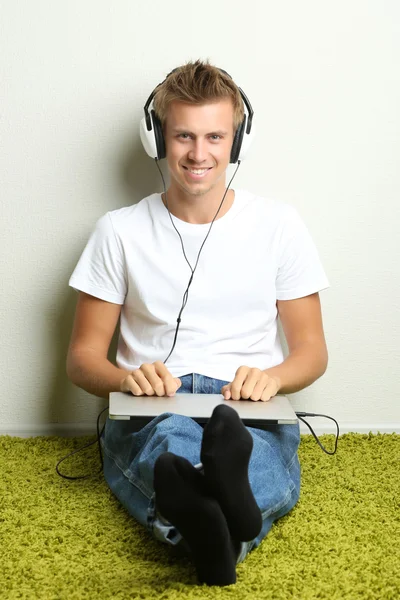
(184, 135)
(216, 137)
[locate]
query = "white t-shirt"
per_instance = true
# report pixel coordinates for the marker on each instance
(259, 252)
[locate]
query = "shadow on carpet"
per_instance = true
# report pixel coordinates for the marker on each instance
(72, 539)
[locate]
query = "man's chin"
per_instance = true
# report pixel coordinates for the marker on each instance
(197, 190)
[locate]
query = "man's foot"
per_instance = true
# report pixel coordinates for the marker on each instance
(182, 498)
(225, 454)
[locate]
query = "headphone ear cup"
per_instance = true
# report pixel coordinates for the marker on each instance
(159, 136)
(153, 140)
(148, 138)
(246, 143)
(237, 141)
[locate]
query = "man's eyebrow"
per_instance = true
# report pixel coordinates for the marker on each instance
(182, 130)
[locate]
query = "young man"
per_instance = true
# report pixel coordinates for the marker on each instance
(215, 492)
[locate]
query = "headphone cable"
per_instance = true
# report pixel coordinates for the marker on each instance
(186, 294)
(99, 434)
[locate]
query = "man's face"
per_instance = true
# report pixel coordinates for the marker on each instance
(198, 144)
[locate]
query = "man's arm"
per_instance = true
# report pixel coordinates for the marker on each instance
(307, 361)
(88, 366)
(87, 363)
(308, 355)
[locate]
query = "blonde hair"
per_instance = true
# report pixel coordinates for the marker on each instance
(197, 83)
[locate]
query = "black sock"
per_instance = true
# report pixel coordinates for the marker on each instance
(182, 498)
(225, 454)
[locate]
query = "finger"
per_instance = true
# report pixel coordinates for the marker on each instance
(137, 384)
(171, 385)
(152, 376)
(254, 384)
(160, 368)
(237, 383)
(226, 391)
(164, 380)
(147, 373)
(236, 388)
(266, 396)
(259, 387)
(252, 379)
(130, 385)
(270, 390)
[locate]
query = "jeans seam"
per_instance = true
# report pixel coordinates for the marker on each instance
(292, 460)
(295, 455)
(279, 505)
(126, 473)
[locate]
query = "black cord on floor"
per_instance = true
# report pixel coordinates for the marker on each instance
(304, 414)
(99, 434)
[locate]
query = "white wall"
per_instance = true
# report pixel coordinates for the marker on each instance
(324, 81)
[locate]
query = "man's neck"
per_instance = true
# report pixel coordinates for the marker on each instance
(198, 209)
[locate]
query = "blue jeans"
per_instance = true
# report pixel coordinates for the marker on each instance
(130, 454)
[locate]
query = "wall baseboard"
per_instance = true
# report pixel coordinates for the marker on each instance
(383, 428)
(81, 429)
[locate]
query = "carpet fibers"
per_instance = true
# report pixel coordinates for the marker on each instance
(72, 539)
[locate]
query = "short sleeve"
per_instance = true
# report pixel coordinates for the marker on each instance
(101, 271)
(300, 271)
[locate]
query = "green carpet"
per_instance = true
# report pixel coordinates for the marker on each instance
(71, 539)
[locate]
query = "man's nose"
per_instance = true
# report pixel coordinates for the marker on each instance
(198, 151)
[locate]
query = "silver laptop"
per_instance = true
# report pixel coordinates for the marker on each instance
(199, 407)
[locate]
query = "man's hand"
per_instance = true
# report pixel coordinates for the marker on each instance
(151, 379)
(251, 384)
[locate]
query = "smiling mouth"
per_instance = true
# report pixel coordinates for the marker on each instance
(197, 171)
